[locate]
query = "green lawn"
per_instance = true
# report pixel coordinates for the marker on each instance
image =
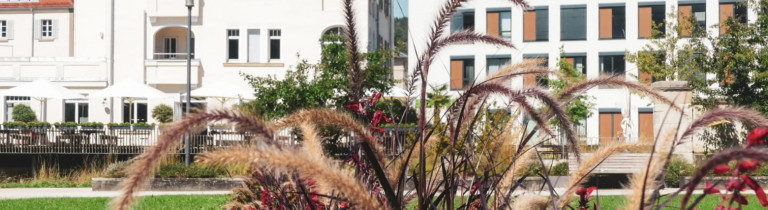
(618, 202)
(43, 184)
(165, 202)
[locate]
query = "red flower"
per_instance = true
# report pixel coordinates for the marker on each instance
(711, 189)
(741, 199)
(343, 205)
(585, 193)
(748, 165)
(757, 188)
(757, 136)
(722, 169)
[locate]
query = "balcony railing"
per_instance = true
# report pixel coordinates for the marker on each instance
(171, 56)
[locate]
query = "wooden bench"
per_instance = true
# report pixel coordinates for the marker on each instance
(621, 163)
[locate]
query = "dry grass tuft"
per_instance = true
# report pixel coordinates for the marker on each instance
(585, 168)
(141, 170)
(531, 202)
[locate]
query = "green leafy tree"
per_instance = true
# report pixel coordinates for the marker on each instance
(22, 113)
(437, 99)
(401, 34)
(162, 113)
(579, 108)
(736, 62)
(326, 84)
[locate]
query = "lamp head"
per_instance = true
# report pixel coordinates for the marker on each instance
(190, 3)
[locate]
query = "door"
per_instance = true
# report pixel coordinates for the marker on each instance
(254, 45)
(170, 47)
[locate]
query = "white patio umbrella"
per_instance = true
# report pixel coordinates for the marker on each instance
(128, 90)
(397, 92)
(223, 91)
(42, 90)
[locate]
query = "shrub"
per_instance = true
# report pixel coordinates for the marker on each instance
(561, 169)
(92, 124)
(678, 167)
(65, 124)
(23, 113)
(179, 170)
(36, 124)
(12, 124)
(113, 124)
(162, 113)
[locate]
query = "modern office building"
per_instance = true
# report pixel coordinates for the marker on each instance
(591, 35)
(87, 45)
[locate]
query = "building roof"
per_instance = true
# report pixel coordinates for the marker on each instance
(38, 4)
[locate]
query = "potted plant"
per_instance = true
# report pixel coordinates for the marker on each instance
(39, 125)
(143, 126)
(65, 125)
(122, 125)
(92, 125)
(14, 125)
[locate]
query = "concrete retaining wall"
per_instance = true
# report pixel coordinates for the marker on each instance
(173, 184)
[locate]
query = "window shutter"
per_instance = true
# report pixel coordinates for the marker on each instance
(606, 23)
(55, 29)
(529, 25)
(684, 20)
(9, 27)
(36, 28)
(570, 61)
(645, 131)
(645, 22)
(726, 11)
(492, 26)
(457, 71)
(645, 78)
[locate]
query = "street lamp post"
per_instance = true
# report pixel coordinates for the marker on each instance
(189, 4)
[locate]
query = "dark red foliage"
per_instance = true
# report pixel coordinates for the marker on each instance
(584, 195)
(748, 165)
(721, 169)
(356, 108)
(710, 189)
(759, 192)
(757, 136)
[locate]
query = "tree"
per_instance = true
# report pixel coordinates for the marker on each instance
(730, 68)
(401, 34)
(578, 109)
(326, 84)
(438, 99)
(22, 113)
(162, 113)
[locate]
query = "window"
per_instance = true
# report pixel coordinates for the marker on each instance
(573, 23)
(135, 112)
(462, 73)
(254, 45)
(612, 65)
(610, 126)
(47, 28)
(579, 63)
(532, 80)
(612, 22)
(536, 24)
(494, 64)
(76, 111)
(11, 101)
(500, 24)
(169, 47)
(649, 18)
(737, 11)
(274, 44)
(463, 21)
(692, 18)
(655, 60)
(233, 37)
(645, 125)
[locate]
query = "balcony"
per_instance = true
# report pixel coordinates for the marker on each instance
(171, 68)
(67, 71)
(170, 8)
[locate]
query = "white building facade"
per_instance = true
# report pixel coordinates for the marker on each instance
(593, 35)
(86, 45)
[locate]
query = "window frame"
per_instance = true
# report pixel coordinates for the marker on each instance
(563, 23)
(613, 70)
(3, 29)
(700, 25)
(46, 34)
(463, 13)
(622, 21)
(540, 13)
(233, 35)
(466, 77)
(275, 35)
(496, 58)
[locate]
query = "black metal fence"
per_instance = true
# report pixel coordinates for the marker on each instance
(135, 140)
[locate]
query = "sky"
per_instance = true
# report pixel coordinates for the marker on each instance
(401, 4)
